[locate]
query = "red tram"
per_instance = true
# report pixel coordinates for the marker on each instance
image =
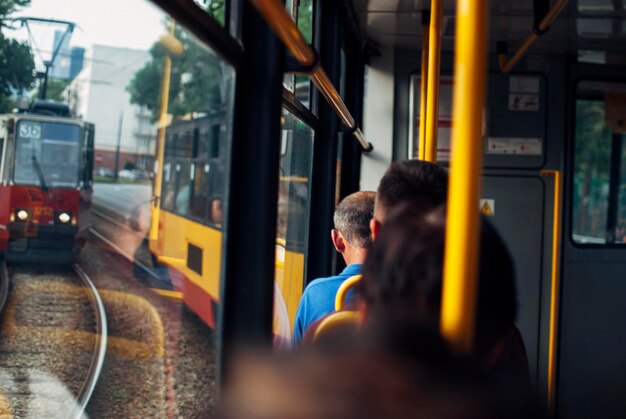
(46, 166)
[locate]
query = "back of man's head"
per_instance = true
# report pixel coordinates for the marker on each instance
(402, 276)
(418, 180)
(352, 217)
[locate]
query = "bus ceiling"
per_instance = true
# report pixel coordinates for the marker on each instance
(581, 26)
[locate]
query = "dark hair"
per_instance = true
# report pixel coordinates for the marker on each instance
(411, 179)
(352, 218)
(402, 275)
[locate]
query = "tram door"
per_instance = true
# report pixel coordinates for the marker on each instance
(515, 205)
(514, 193)
(592, 345)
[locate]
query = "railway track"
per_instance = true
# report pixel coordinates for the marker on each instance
(53, 338)
(122, 229)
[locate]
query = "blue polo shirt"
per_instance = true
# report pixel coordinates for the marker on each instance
(318, 300)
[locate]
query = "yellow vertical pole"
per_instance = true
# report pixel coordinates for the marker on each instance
(458, 309)
(432, 91)
(160, 151)
(423, 86)
(554, 293)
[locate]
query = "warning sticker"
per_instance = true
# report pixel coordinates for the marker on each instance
(488, 207)
(509, 145)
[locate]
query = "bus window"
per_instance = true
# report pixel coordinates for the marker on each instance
(292, 222)
(599, 194)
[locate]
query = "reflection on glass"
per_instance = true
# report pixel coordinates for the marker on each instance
(599, 203)
(160, 285)
(292, 224)
(193, 173)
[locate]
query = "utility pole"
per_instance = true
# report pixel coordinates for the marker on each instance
(119, 143)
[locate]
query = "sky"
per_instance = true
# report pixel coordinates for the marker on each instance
(135, 24)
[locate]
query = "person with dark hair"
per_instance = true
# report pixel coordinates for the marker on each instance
(423, 182)
(351, 237)
(362, 382)
(402, 281)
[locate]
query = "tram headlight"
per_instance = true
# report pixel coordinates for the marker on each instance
(64, 217)
(22, 215)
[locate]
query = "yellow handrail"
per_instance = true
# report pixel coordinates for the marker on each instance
(554, 292)
(432, 91)
(461, 248)
(285, 28)
(554, 11)
(340, 297)
(423, 89)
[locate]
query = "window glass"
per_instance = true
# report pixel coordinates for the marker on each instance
(599, 201)
(300, 84)
(193, 176)
(216, 8)
(292, 224)
(47, 153)
(157, 104)
(444, 123)
(305, 24)
(305, 19)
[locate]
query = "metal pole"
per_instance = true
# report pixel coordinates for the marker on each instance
(432, 91)
(554, 288)
(552, 14)
(458, 308)
(44, 87)
(424, 84)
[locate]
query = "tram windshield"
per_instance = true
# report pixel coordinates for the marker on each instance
(47, 154)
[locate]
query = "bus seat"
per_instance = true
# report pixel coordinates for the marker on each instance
(340, 321)
(340, 297)
(336, 324)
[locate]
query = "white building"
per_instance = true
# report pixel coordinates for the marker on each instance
(99, 95)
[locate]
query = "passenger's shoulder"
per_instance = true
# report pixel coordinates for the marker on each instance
(320, 283)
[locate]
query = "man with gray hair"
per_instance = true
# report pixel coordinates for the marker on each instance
(351, 237)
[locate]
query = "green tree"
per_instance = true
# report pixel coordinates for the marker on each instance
(17, 67)
(55, 89)
(216, 9)
(592, 163)
(195, 81)
(305, 16)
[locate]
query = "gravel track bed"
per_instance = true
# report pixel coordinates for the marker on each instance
(47, 337)
(160, 357)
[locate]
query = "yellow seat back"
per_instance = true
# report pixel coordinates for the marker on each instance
(335, 322)
(340, 298)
